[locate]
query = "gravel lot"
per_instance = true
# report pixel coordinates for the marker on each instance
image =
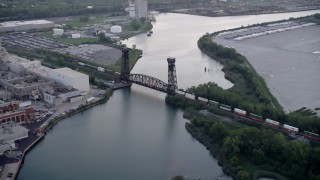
(289, 62)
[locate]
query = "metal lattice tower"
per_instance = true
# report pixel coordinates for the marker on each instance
(172, 77)
(125, 71)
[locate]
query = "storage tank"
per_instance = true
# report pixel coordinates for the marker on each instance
(58, 32)
(116, 29)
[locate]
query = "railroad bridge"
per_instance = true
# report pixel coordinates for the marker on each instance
(149, 81)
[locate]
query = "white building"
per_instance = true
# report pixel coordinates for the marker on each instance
(116, 29)
(139, 9)
(11, 26)
(69, 77)
(58, 32)
(132, 10)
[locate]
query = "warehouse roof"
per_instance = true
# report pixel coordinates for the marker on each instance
(19, 23)
(68, 72)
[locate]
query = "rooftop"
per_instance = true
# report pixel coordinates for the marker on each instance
(20, 23)
(9, 133)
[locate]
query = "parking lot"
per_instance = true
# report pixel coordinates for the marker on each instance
(96, 53)
(30, 41)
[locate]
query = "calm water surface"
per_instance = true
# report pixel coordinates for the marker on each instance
(136, 135)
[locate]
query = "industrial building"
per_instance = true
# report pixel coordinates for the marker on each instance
(30, 80)
(58, 94)
(69, 77)
(8, 134)
(13, 26)
(138, 9)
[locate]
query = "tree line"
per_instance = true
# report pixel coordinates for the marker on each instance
(264, 148)
(250, 92)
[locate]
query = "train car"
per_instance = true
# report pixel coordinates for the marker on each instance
(272, 123)
(203, 99)
(311, 135)
(190, 96)
(225, 107)
(290, 129)
(180, 93)
(239, 112)
(89, 99)
(101, 69)
(213, 103)
(80, 63)
(255, 117)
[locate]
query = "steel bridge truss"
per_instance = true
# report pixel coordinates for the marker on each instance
(149, 81)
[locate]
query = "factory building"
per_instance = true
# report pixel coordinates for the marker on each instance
(69, 77)
(132, 10)
(19, 116)
(138, 9)
(13, 26)
(8, 134)
(56, 95)
(30, 80)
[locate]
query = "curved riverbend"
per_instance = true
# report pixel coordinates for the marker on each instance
(136, 135)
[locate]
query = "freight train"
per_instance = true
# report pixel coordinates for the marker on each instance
(248, 115)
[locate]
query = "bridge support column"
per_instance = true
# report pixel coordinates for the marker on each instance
(125, 71)
(172, 77)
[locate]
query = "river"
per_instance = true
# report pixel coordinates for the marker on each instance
(135, 135)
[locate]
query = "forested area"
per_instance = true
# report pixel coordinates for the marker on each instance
(264, 148)
(248, 152)
(35, 9)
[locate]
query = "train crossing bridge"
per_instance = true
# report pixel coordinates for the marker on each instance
(149, 81)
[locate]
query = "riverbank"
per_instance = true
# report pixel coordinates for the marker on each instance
(217, 13)
(244, 148)
(280, 59)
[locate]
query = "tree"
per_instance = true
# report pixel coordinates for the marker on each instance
(103, 38)
(84, 19)
(243, 175)
(142, 20)
(135, 24)
(218, 131)
(178, 178)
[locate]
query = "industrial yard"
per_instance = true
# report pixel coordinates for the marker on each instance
(290, 66)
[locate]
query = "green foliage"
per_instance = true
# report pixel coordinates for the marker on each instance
(84, 19)
(243, 175)
(250, 92)
(183, 102)
(103, 38)
(178, 178)
(317, 16)
(135, 24)
(264, 148)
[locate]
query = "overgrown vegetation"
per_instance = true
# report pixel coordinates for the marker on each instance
(249, 92)
(246, 150)
(249, 151)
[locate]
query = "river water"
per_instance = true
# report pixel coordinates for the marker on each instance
(135, 135)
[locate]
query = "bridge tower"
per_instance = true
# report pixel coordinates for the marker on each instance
(172, 77)
(125, 71)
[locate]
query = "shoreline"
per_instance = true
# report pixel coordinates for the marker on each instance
(242, 14)
(50, 126)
